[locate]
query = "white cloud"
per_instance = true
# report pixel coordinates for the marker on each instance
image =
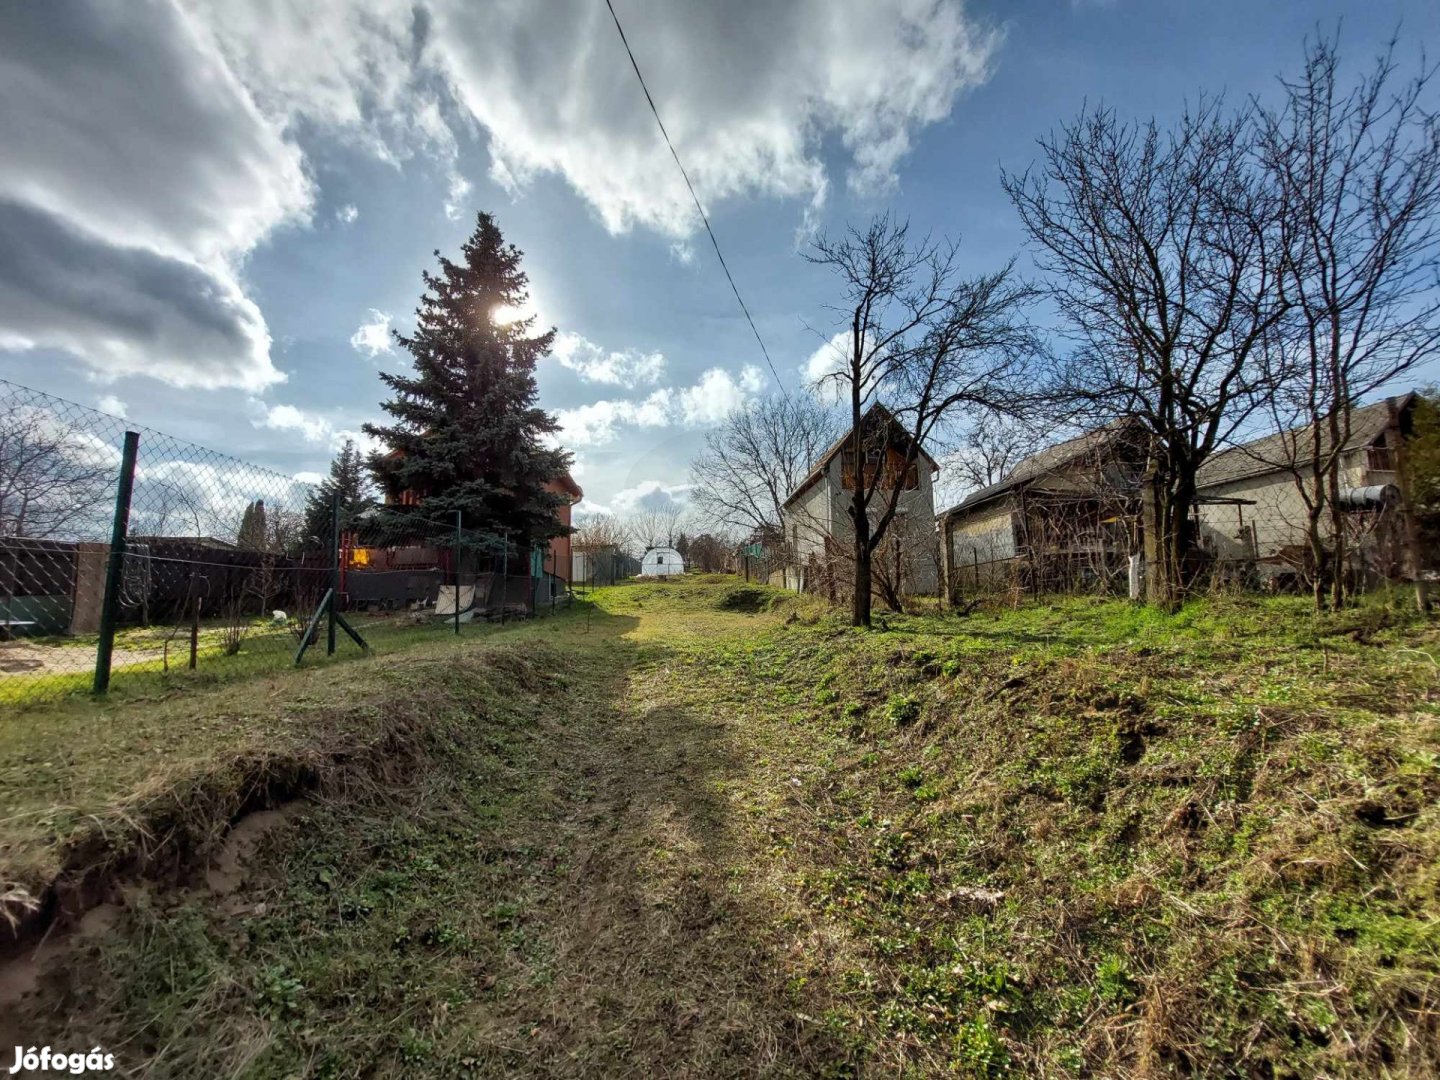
(365, 443)
(824, 362)
(157, 140)
(707, 402)
(311, 428)
(650, 495)
(592, 363)
(126, 310)
(111, 404)
(309, 477)
(353, 67)
(373, 337)
(717, 394)
(682, 252)
(348, 213)
(455, 198)
(600, 421)
(748, 89)
(139, 158)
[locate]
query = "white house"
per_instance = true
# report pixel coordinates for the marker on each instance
(1251, 508)
(818, 531)
(662, 562)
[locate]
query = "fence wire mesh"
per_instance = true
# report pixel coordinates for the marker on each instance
(224, 565)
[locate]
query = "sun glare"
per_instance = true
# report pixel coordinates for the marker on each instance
(505, 314)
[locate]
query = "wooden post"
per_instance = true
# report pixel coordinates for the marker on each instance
(1407, 510)
(194, 629)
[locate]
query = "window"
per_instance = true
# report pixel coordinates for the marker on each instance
(893, 460)
(659, 560)
(1381, 459)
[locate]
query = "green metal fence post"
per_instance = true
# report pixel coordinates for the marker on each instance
(115, 569)
(504, 576)
(334, 577)
(457, 572)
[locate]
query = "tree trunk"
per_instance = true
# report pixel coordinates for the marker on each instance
(1152, 520)
(1317, 559)
(860, 602)
(1337, 528)
(1167, 539)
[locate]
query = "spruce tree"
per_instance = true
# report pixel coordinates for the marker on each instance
(349, 482)
(467, 433)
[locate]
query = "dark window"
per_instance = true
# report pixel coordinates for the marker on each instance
(1381, 459)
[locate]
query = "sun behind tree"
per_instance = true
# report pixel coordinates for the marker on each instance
(468, 434)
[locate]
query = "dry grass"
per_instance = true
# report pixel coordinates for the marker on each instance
(699, 832)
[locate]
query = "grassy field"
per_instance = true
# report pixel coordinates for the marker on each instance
(39, 671)
(699, 828)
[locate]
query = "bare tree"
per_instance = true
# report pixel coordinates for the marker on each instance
(924, 344)
(757, 456)
(708, 552)
(599, 532)
(989, 449)
(52, 478)
(1356, 172)
(1162, 253)
(169, 508)
(653, 526)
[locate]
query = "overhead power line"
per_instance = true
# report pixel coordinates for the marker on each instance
(703, 217)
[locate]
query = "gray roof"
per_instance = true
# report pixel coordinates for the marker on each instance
(1035, 470)
(1276, 452)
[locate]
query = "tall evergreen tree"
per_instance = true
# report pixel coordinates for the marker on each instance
(348, 481)
(467, 434)
(252, 532)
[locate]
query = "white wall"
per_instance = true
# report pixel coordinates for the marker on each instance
(823, 512)
(1278, 517)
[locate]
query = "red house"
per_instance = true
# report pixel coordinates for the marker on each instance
(558, 562)
(557, 558)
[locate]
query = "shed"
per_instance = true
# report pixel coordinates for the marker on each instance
(662, 562)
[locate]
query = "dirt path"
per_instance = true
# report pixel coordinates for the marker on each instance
(664, 960)
(575, 898)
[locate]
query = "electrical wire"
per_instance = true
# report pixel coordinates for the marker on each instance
(703, 217)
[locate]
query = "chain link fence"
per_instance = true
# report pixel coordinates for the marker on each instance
(127, 554)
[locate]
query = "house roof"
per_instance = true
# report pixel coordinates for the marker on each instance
(1274, 453)
(566, 483)
(813, 477)
(1037, 470)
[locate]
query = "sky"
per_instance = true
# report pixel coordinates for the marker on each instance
(212, 212)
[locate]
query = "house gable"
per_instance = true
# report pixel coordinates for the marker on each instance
(896, 445)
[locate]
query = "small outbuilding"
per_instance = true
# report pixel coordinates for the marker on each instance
(662, 562)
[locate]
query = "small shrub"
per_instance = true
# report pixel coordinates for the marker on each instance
(744, 598)
(902, 710)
